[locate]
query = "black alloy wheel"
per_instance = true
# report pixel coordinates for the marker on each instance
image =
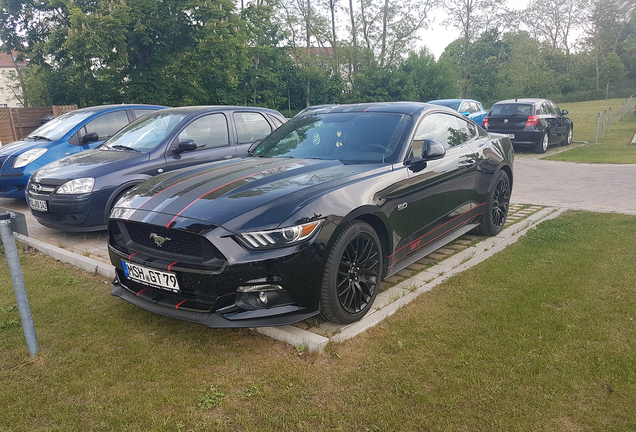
(495, 216)
(352, 274)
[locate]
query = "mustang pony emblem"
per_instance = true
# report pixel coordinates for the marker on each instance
(159, 241)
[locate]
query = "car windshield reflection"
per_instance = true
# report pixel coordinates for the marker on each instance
(56, 128)
(347, 137)
(145, 133)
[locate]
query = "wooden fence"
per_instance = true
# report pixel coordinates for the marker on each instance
(16, 123)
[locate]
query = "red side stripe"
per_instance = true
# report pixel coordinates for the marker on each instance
(226, 184)
(132, 255)
(141, 291)
(417, 239)
(170, 266)
(177, 306)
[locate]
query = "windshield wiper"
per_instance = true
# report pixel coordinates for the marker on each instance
(123, 147)
(38, 137)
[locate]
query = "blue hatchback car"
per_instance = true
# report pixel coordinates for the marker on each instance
(472, 109)
(65, 135)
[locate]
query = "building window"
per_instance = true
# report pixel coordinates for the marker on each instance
(1, 90)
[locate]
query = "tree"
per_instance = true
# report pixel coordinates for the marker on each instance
(553, 21)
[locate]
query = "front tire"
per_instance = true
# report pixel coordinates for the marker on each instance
(542, 146)
(352, 274)
(495, 216)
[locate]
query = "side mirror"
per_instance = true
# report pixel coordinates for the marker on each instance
(254, 145)
(90, 137)
(565, 112)
(432, 150)
(465, 113)
(186, 145)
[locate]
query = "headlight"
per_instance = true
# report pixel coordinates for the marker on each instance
(83, 185)
(28, 156)
(279, 237)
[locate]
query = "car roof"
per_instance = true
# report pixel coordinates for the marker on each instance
(205, 108)
(386, 107)
(452, 100)
(100, 108)
(521, 101)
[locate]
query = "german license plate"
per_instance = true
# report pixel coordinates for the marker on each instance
(511, 136)
(38, 205)
(154, 278)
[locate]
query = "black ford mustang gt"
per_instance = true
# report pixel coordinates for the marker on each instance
(320, 212)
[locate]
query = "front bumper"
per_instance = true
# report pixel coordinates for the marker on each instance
(13, 186)
(81, 212)
(209, 285)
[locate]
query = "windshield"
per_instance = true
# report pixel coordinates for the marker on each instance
(449, 104)
(347, 137)
(145, 133)
(58, 127)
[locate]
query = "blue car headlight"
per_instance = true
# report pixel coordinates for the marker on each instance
(281, 237)
(28, 156)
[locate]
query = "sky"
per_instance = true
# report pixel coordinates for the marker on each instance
(437, 37)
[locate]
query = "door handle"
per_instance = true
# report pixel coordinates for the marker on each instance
(227, 157)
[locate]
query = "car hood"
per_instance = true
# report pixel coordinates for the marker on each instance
(19, 147)
(90, 163)
(252, 193)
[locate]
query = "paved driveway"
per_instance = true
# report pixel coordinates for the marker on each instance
(594, 187)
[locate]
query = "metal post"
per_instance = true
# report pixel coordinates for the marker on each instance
(17, 278)
(609, 119)
(598, 119)
(603, 130)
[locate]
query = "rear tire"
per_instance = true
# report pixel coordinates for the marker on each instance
(542, 146)
(495, 216)
(352, 274)
(568, 138)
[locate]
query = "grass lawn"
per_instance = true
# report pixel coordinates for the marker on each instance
(613, 147)
(540, 337)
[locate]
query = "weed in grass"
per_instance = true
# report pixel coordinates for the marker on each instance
(9, 324)
(251, 391)
(212, 397)
(336, 355)
(71, 280)
(400, 344)
(300, 349)
(11, 308)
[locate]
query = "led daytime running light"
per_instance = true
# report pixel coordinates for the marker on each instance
(279, 237)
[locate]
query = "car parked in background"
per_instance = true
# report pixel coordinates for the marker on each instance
(538, 123)
(64, 135)
(77, 192)
(472, 109)
(320, 212)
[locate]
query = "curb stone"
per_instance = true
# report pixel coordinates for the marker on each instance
(387, 303)
(404, 291)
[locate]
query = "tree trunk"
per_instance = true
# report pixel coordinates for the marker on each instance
(355, 40)
(333, 32)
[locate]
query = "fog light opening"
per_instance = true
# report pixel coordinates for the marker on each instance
(263, 298)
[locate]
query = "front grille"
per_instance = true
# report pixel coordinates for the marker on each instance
(164, 240)
(42, 189)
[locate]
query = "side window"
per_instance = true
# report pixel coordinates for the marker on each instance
(465, 107)
(443, 128)
(547, 109)
(105, 125)
(468, 128)
(473, 107)
(140, 112)
(555, 108)
(207, 132)
(277, 123)
(251, 126)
